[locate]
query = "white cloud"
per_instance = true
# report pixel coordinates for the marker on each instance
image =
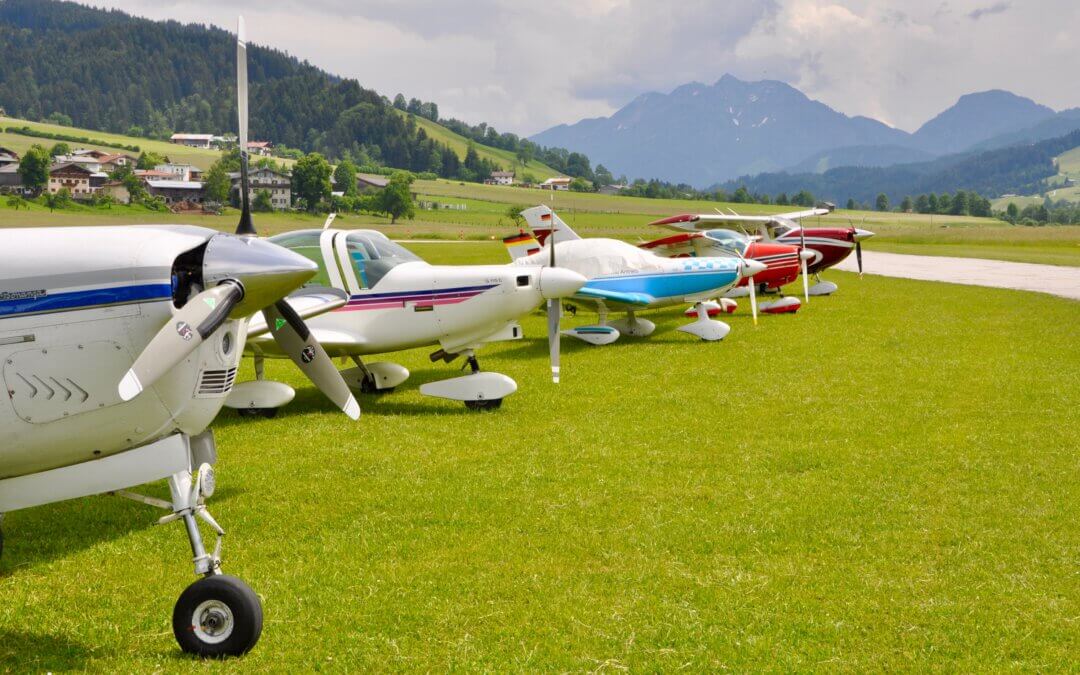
(525, 66)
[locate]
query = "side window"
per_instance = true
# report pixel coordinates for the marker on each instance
(307, 244)
(361, 254)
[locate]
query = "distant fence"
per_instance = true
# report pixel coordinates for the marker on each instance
(436, 206)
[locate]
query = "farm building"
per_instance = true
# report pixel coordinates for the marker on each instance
(367, 182)
(193, 140)
(176, 190)
(117, 190)
(501, 178)
(260, 148)
(8, 157)
(181, 172)
(9, 177)
(556, 183)
(80, 181)
(278, 184)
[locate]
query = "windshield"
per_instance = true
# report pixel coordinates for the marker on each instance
(306, 243)
(729, 239)
(373, 256)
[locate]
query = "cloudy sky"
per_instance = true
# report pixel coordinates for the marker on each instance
(524, 66)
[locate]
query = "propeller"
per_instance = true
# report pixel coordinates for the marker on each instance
(245, 227)
(554, 315)
(295, 339)
(186, 330)
(802, 261)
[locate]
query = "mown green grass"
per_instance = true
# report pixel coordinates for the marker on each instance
(885, 481)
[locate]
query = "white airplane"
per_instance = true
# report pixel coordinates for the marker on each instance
(119, 346)
(396, 301)
(625, 278)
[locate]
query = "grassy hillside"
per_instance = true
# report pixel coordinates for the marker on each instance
(177, 153)
(459, 143)
(1068, 167)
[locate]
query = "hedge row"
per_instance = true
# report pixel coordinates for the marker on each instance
(27, 131)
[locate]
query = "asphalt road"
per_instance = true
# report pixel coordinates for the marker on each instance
(1052, 279)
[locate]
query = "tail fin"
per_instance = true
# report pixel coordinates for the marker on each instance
(521, 245)
(543, 221)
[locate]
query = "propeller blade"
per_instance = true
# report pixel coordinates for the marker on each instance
(185, 331)
(805, 277)
(858, 255)
(554, 312)
(294, 338)
(245, 226)
(753, 299)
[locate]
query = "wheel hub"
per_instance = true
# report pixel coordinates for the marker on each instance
(213, 622)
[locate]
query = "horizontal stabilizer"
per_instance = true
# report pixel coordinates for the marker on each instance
(521, 245)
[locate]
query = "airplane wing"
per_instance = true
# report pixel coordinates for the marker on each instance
(639, 299)
(701, 221)
(306, 303)
(679, 245)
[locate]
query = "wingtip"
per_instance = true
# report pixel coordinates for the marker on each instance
(130, 387)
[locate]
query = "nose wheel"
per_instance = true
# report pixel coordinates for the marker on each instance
(217, 616)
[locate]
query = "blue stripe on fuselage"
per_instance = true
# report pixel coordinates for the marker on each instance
(88, 299)
(669, 285)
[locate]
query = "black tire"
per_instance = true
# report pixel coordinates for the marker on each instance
(213, 634)
(268, 413)
(489, 404)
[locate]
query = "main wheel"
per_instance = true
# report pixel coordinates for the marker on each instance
(217, 616)
(487, 404)
(268, 413)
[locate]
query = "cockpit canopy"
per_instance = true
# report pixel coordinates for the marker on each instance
(598, 257)
(371, 253)
(731, 240)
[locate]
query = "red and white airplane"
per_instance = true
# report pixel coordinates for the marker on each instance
(829, 245)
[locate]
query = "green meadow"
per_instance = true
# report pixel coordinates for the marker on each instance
(885, 481)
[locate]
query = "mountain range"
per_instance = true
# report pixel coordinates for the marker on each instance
(702, 135)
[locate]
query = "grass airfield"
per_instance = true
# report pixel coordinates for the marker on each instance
(885, 481)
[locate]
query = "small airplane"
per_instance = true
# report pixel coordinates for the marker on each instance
(118, 347)
(782, 264)
(625, 278)
(396, 301)
(829, 245)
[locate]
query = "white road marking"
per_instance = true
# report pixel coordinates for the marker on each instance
(1053, 279)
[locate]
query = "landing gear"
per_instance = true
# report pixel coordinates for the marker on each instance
(822, 287)
(267, 413)
(705, 328)
(259, 397)
(478, 390)
(634, 326)
(217, 616)
(374, 378)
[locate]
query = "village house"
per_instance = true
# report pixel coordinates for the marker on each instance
(193, 140)
(88, 161)
(181, 172)
(79, 180)
(278, 184)
(263, 148)
(8, 157)
(117, 190)
(557, 183)
(173, 191)
(501, 178)
(10, 180)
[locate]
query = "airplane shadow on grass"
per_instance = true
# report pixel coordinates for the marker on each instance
(54, 531)
(25, 651)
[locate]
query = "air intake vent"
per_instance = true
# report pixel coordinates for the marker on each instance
(216, 382)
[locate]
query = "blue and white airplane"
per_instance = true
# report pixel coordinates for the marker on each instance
(624, 278)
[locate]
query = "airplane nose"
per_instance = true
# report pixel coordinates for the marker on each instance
(806, 254)
(751, 267)
(558, 282)
(862, 234)
(266, 271)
